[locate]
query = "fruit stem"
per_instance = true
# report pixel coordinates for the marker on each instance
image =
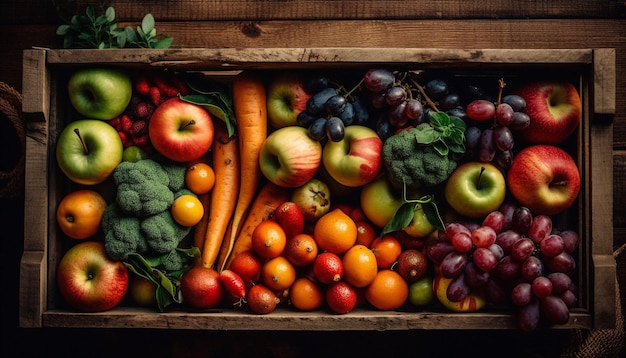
(480, 175)
(190, 123)
(426, 98)
(82, 141)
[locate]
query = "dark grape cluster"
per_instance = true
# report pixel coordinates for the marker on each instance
(490, 136)
(330, 109)
(510, 257)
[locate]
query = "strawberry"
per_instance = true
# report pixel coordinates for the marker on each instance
(142, 86)
(142, 110)
(116, 123)
(143, 141)
(155, 95)
(180, 85)
(123, 137)
(166, 89)
(126, 123)
(138, 128)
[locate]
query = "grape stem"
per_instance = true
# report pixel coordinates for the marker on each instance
(423, 93)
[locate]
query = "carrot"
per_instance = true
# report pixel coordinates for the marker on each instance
(270, 196)
(199, 230)
(250, 108)
(226, 166)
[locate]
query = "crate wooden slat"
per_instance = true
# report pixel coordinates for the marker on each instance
(42, 249)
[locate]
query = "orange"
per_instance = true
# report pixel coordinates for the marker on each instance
(199, 178)
(301, 249)
(306, 295)
(247, 264)
(268, 239)
(335, 232)
(359, 266)
(187, 210)
(387, 250)
(278, 273)
(388, 291)
(365, 233)
(80, 212)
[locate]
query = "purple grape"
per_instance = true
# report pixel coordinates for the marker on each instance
(541, 286)
(521, 294)
(377, 100)
(454, 228)
(474, 276)
(458, 289)
(335, 130)
(436, 89)
(414, 110)
(540, 228)
(554, 309)
(335, 104)
(517, 102)
(306, 118)
(520, 121)
(378, 80)
(462, 242)
(347, 115)
(483, 236)
(560, 282)
(552, 245)
(503, 138)
(507, 269)
(317, 102)
(495, 292)
(562, 262)
(504, 114)
(529, 316)
(532, 268)
(503, 159)
(472, 137)
(506, 239)
(458, 112)
(497, 250)
(361, 113)
(480, 110)
(315, 83)
(570, 240)
(494, 220)
(436, 250)
(397, 116)
(486, 146)
(507, 208)
(521, 219)
(569, 298)
(451, 100)
(522, 249)
(484, 259)
(453, 264)
(395, 95)
(317, 129)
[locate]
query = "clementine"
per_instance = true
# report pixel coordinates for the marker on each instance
(365, 233)
(306, 295)
(199, 178)
(359, 266)
(388, 291)
(80, 212)
(301, 249)
(335, 232)
(278, 273)
(268, 239)
(387, 250)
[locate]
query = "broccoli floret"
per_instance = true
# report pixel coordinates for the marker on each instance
(122, 234)
(162, 232)
(142, 187)
(417, 165)
(176, 174)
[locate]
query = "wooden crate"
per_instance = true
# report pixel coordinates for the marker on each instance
(45, 106)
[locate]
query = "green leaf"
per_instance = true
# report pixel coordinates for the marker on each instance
(147, 23)
(432, 214)
(163, 298)
(89, 11)
(458, 123)
(401, 218)
(441, 147)
(110, 14)
(164, 43)
(63, 30)
(425, 134)
(457, 148)
(131, 36)
(215, 105)
(439, 119)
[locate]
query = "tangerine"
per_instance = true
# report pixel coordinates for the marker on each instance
(187, 210)
(387, 250)
(301, 249)
(306, 295)
(388, 291)
(268, 239)
(247, 264)
(359, 266)
(200, 178)
(79, 213)
(365, 233)
(335, 232)
(278, 273)
(341, 297)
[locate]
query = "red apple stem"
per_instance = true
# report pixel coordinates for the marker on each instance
(190, 123)
(559, 183)
(480, 175)
(82, 141)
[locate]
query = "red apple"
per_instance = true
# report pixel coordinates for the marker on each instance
(544, 178)
(181, 131)
(88, 280)
(554, 108)
(289, 157)
(286, 98)
(356, 159)
(202, 288)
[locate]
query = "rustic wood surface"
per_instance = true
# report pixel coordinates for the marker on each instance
(452, 24)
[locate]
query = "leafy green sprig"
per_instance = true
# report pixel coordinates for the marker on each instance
(445, 133)
(101, 32)
(405, 212)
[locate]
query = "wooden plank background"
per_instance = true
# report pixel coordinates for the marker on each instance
(506, 24)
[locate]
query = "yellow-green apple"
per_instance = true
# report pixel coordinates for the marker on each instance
(356, 159)
(379, 201)
(142, 291)
(181, 131)
(471, 303)
(202, 288)
(474, 189)
(554, 108)
(421, 292)
(544, 178)
(313, 199)
(419, 227)
(286, 98)
(88, 150)
(289, 157)
(88, 280)
(99, 92)
(134, 153)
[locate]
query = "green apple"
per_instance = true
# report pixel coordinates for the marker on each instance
(421, 292)
(99, 92)
(379, 201)
(286, 98)
(88, 150)
(474, 189)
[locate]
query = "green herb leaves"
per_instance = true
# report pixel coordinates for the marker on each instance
(101, 32)
(445, 133)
